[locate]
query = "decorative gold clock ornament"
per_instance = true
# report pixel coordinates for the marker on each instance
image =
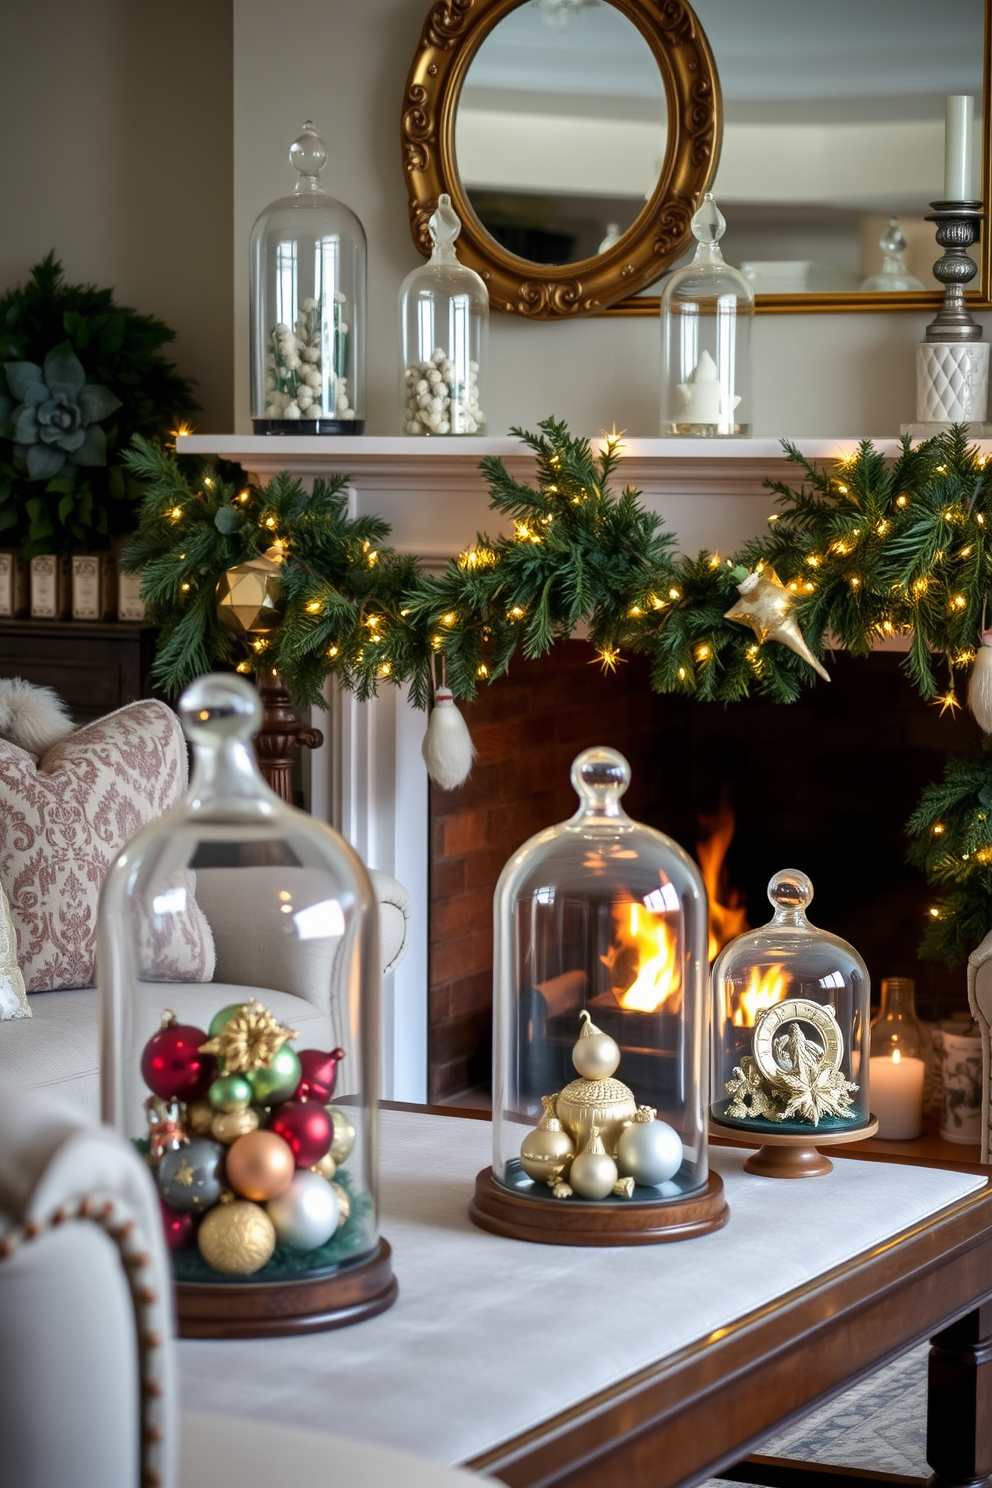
(249, 596)
(766, 606)
(787, 1076)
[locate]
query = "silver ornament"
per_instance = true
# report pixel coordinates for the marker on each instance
(190, 1178)
(305, 1214)
(649, 1151)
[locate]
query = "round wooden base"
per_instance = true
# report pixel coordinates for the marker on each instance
(576, 1222)
(311, 1304)
(794, 1154)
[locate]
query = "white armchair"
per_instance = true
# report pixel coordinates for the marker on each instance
(980, 999)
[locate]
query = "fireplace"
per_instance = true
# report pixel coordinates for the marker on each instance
(825, 784)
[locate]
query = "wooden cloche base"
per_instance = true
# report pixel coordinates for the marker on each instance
(308, 1305)
(793, 1154)
(578, 1222)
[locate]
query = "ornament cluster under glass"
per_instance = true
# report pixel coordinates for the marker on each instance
(307, 290)
(444, 321)
(790, 1024)
(600, 1017)
(227, 1084)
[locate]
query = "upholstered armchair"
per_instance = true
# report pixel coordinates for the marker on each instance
(980, 998)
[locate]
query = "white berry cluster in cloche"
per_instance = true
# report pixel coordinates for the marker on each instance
(293, 369)
(436, 403)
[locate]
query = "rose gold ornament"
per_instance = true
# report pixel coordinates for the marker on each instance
(260, 1165)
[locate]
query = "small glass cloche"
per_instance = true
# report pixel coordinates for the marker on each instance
(307, 291)
(706, 312)
(894, 274)
(240, 983)
(790, 1025)
(444, 324)
(600, 1031)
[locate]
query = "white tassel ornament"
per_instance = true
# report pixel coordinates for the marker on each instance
(447, 748)
(980, 684)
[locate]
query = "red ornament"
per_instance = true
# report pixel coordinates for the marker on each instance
(172, 1064)
(180, 1229)
(320, 1073)
(306, 1127)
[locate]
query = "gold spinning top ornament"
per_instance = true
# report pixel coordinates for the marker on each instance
(766, 606)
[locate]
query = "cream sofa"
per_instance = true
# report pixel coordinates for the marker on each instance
(300, 981)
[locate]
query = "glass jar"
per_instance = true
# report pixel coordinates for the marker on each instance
(259, 1085)
(600, 1017)
(790, 1024)
(444, 325)
(706, 313)
(307, 289)
(899, 1055)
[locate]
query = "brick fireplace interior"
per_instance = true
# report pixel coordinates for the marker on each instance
(825, 785)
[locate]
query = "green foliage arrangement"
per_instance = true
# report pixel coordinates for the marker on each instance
(867, 549)
(80, 376)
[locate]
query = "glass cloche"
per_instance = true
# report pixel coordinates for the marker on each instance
(444, 323)
(790, 1025)
(706, 312)
(307, 289)
(600, 1027)
(240, 984)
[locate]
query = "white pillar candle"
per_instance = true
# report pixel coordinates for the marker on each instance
(957, 147)
(895, 1095)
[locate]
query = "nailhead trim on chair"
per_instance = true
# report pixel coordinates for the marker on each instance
(117, 1222)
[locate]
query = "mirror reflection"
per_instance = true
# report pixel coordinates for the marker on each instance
(561, 129)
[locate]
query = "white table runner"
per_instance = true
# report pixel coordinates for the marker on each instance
(490, 1337)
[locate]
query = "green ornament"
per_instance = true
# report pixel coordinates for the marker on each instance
(229, 1093)
(224, 1016)
(278, 1081)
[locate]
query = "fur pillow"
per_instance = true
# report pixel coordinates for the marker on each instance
(64, 820)
(32, 717)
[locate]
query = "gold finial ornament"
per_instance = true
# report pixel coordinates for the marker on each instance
(547, 1151)
(766, 606)
(250, 1040)
(596, 1056)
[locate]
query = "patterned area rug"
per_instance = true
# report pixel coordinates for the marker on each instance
(879, 1425)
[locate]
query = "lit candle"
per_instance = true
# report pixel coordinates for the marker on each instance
(957, 147)
(895, 1094)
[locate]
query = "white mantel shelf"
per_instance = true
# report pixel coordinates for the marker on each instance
(710, 491)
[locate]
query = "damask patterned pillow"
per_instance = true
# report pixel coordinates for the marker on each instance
(64, 820)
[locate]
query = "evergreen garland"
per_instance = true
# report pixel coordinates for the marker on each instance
(868, 548)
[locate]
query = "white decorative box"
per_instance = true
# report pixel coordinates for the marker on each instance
(15, 585)
(94, 586)
(130, 605)
(51, 587)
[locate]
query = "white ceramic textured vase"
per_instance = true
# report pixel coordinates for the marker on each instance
(952, 381)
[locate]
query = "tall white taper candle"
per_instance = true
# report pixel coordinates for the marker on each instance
(957, 147)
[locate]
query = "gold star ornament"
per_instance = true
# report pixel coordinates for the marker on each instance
(250, 1040)
(766, 606)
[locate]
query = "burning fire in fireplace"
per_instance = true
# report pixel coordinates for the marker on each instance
(728, 911)
(763, 990)
(644, 954)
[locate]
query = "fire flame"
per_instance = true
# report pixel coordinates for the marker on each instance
(763, 990)
(728, 918)
(646, 948)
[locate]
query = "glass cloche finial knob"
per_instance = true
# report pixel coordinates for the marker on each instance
(600, 776)
(790, 890)
(893, 239)
(308, 153)
(219, 707)
(445, 224)
(708, 223)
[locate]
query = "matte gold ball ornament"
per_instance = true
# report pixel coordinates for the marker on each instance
(593, 1173)
(596, 1056)
(547, 1150)
(343, 1139)
(236, 1238)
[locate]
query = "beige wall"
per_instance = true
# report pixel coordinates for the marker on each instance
(115, 150)
(344, 65)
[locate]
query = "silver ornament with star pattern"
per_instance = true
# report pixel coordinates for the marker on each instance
(190, 1179)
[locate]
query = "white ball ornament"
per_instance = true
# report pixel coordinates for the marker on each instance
(649, 1151)
(595, 1055)
(305, 1215)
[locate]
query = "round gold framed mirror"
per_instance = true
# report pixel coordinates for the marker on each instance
(474, 126)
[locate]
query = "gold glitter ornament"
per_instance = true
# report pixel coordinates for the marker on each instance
(250, 1040)
(547, 1150)
(596, 1055)
(199, 1118)
(766, 606)
(237, 1238)
(344, 1202)
(228, 1126)
(593, 1174)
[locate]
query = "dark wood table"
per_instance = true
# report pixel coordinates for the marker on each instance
(699, 1413)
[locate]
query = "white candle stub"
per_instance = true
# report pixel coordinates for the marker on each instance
(960, 108)
(701, 397)
(895, 1094)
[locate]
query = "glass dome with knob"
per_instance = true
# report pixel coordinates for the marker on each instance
(790, 1037)
(444, 323)
(600, 1030)
(706, 312)
(253, 1094)
(307, 290)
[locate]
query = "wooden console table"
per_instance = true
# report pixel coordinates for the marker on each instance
(95, 666)
(653, 1368)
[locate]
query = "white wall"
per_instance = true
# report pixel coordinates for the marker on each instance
(345, 65)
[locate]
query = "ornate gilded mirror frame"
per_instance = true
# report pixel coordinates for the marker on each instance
(452, 34)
